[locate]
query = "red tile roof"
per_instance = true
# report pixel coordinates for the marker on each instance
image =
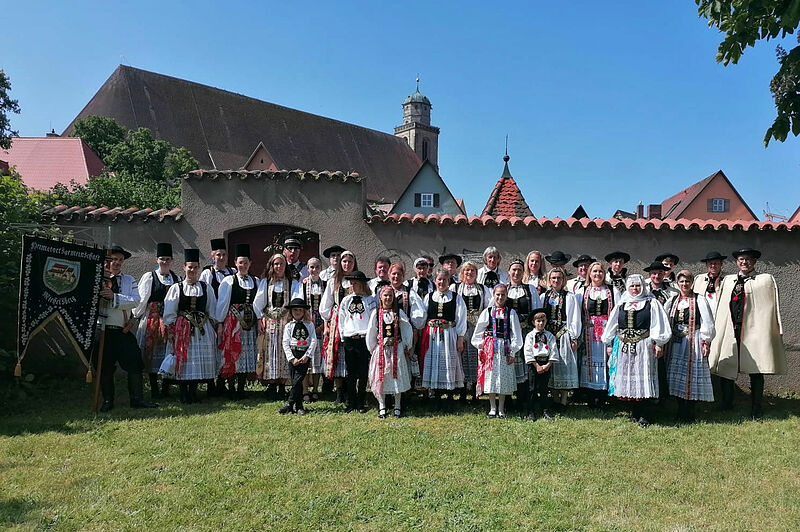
(674, 206)
(132, 214)
(506, 199)
(586, 223)
(313, 175)
(44, 161)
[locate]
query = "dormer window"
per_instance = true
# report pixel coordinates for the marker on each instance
(426, 199)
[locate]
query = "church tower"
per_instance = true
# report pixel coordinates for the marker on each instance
(420, 135)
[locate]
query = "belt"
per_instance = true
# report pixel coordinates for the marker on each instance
(632, 336)
(114, 327)
(440, 324)
(357, 336)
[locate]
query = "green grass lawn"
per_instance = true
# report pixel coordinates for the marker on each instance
(240, 466)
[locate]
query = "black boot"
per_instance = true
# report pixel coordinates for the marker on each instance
(726, 388)
(193, 392)
(136, 391)
(107, 387)
(280, 390)
(756, 394)
(340, 398)
(165, 387)
(241, 379)
(232, 388)
(220, 387)
(183, 392)
(154, 391)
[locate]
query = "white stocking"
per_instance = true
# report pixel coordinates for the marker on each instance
(397, 398)
(381, 401)
(502, 407)
(492, 400)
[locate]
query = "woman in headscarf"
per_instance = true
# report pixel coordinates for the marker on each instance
(692, 326)
(389, 339)
(641, 325)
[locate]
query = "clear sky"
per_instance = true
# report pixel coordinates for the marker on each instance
(605, 103)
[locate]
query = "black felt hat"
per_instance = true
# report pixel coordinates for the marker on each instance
(380, 284)
(618, 255)
(191, 255)
(583, 258)
(656, 265)
(674, 257)
(118, 249)
(536, 311)
(298, 302)
(756, 254)
(558, 258)
(357, 276)
(242, 250)
(163, 249)
(333, 249)
(447, 256)
(217, 243)
(714, 255)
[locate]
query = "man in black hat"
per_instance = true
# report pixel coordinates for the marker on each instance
(122, 296)
(670, 260)
(558, 258)
(581, 265)
(749, 335)
(153, 287)
(708, 284)
(354, 313)
(292, 245)
(450, 263)
(617, 272)
(332, 254)
(212, 275)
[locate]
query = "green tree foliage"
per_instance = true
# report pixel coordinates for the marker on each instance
(744, 23)
(18, 205)
(7, 105)
(141, 171)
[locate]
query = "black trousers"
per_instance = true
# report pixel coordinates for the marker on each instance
(538, 401)
(356, 356)
(121, 348)
(296, 376)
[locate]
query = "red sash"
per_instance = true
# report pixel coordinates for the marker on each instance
(181, 342)
(230, 344)
(485, 362)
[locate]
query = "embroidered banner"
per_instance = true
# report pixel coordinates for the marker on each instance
(58, 302)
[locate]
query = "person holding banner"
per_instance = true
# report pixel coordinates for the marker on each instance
(189, 309)
(151, 333)
(122, 296)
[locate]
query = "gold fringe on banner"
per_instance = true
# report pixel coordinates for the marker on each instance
(18, 370)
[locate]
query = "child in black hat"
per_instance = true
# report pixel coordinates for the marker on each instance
(299, 342)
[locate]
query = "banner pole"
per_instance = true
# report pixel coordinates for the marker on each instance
(101, 344)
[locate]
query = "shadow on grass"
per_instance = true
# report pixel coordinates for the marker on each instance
(16, 511)
(65, 408)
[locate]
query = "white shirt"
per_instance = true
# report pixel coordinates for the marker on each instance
(502, 275)
(328, 300)
(510, 316)
(327, 273)
(263, 299)
(355, 323)
(461, 308)
(372, 283)
(173, 298)
(210, 273)
(289, 341)
(119, 308)
(145, 289)
(225, 288)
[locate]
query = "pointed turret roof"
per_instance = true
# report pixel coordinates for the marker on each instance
(506, 199)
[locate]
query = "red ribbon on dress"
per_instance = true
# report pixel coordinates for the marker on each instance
(230, 344)
(155, 330)
(424, 345)
(183, 330)
(485, 362)
(330, 345)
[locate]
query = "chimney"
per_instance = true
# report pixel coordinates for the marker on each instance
(52, 133)
(654, 211)
(640, 210)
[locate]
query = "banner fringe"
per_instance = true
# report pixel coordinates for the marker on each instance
(18, 370)
(89, 375)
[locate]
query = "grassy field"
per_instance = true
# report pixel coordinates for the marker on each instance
(240, 466)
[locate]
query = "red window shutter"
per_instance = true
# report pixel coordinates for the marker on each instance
(727, 205)
(710, 205)
(417, 199)
(436, 200)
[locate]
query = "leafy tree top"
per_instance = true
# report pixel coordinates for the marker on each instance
(7, 105)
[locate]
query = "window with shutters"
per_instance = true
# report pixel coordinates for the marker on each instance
(719, 205)
(426, 200)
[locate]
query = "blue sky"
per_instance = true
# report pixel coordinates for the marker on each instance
(605, 103)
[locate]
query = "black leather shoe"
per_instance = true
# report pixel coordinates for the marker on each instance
(106, 406)
(362, 410)
(285, 409)
(143, 404)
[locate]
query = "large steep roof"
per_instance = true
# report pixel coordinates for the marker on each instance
(221, 129)
(674, 206)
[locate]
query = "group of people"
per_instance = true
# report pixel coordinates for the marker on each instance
(456, 328)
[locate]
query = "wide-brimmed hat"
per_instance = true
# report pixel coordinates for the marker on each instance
(218, 243)
(447, 256)
(674, 257)
(558, 258)
(714, 255)
(191, 255)
(583, 258)
(357, 276)
(618, 255)
(298, 302)
(656, 265)
(333, 249)
(746, 251)
(118, 249)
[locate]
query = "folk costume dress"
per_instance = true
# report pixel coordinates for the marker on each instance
(151, 333)
(389, 336)
(422, 286)
(564, 323)
(189, 310)
(269, 305)
(640, 323)
(333, 359)
(692, 324)
(237, 344)
(298, 339)
(497, 335)
(523, 298)
(439, 358)
(476, 297)
(597, 301)
(491, 278)
(213, 277)
(312, 292)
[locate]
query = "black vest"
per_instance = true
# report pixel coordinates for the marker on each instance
(313, 299)
(214, 281)
(555, 315)
(242, 296)
(635, 319)
(446, 312)
(193, 303)
(522, 304)
(158, 290)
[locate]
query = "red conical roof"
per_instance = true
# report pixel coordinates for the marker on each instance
(506, 199)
